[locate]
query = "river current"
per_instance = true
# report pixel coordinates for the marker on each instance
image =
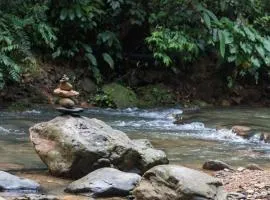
(190, 144)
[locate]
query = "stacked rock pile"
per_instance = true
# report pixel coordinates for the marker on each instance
(66, 94)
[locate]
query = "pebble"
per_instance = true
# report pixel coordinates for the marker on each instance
(252, 185)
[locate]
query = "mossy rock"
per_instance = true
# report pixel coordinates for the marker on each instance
(156, 95)
(122, 97)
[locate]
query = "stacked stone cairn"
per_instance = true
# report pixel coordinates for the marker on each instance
(66, 96)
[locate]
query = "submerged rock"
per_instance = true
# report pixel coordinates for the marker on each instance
(216, 165)
(105, 182)
(74, 146)
(167, 182)
(11, 182)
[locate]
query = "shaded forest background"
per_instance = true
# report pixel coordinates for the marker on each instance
(170, 51)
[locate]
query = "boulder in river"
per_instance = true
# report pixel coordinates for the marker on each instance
(265, 137)
(243, 131)
(11, 182)
(74, 146)
(216, 165)
(105, 182)
(167, 182)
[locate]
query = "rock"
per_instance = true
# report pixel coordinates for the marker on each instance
(241, 169)
(37, 197)
(105, 182)
(167, 182)
(243, 131)
(120, 95)
(216, 165)
(11, 182)
(70, 111)
(235, 196)
(225, 103)
(88, 85)
(265, 137)
(143, 143)
(64, 93)
(74, 146)
(65, 86)
(254, 167)
(66, 102)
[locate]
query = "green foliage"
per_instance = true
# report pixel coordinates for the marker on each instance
(165, 43)
(243, 45)
(103, 100)
(22, 25)
(95, 34)
(236, 30)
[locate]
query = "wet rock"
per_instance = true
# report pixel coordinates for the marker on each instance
(74, 146)
(67, 103)
(11, 182)
(254, 167)
(243, 131)
(216, 165)
(167, 182)
(105, 182)
(37, 197)
(265, 137)
(69, 111)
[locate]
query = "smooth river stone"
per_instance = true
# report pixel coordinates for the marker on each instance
(11, 182)
(69, 110)
(105, 182)
(64, 93)
(67, 103)
(65, 86)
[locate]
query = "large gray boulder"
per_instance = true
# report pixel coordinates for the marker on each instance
(167, 182)
(11, 182)
(105, 182)
(74, 146)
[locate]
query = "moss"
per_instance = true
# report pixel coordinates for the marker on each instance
(156, 95)
(123, 97)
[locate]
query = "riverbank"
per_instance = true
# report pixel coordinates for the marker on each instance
(250, 184)
(241, 184)
(142, 87)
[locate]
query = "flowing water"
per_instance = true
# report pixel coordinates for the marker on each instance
(189, 144)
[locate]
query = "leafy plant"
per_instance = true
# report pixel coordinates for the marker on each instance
(18, 26)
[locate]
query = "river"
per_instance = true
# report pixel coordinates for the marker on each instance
(188, 144)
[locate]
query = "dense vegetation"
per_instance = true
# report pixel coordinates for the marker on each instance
(101, 34)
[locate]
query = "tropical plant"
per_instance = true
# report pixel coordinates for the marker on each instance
(22, 25)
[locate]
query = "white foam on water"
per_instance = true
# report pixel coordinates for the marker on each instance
(3, 131)
(31, 112)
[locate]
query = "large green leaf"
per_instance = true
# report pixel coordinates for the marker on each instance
(222, 43)
(108, 59)
(91, 58)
